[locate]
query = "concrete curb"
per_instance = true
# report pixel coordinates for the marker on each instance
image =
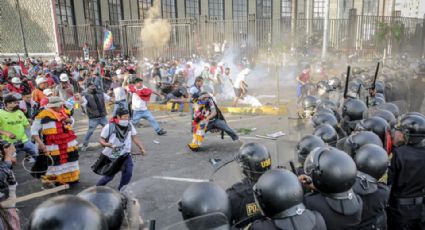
(263, 110)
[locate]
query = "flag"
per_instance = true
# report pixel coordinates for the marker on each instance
(108, 43)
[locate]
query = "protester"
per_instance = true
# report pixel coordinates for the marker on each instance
(58, 141)
(117, 138)
(13, 123)
(240, 86)
(140, 96)
(94, 103)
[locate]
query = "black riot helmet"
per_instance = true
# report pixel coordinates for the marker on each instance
(413, 128)
(386, 115)
(334, 83)
(108, 201)
(380, 95)
(323, 85)
(358, 139)
(310, 102)
(320, 110)
(67, 212)
(393, 108)
(376, 101)
(327, 133)
(328, 104)
(354, 110)
(202, 199)
(377, 125)
(333, 171)
(324, 118)
(254, 159)
(353, 89)
(379, 87)
(414, 113)
(372, 160)
(279, 194)
(309, 89)
(307, 144)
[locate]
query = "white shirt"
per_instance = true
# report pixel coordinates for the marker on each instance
(120, 148)
(240, 78)
(120, 94)
(137, 104)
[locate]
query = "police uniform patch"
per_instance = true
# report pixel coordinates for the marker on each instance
(252, 209)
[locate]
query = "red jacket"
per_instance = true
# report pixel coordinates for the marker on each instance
(144, 93)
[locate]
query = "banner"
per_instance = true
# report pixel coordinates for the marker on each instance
(108, 43)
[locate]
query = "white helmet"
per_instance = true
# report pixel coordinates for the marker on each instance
(40, 80)
(16, 80)
(48, 92)
(64, 77)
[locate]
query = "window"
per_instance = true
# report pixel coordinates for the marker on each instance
(370, 7)
(144, 6)
(64, 12)
(286, 8)
(192, 8)
(301, 9)
(216, 9)
(240, 9)
(169, 9)
(319, 8)
(344, 7)
(92, 12)
(264, 9)
(115, 12)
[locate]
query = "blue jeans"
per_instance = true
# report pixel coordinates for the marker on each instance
(29, 148)
(119, 104)
(222, 125)
(145, 114)
(93, 123)
(126, 174)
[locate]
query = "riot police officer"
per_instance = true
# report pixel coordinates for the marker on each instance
(205, 206)
(284, 208)
(323, 89)
(254, 159)
(377, 125)
(372, 163)
(358, 139)
(386, 115)
(307, 144)
(327, 133)
(308, 106)
(67, 212)
(108, 201)
(326, 118)
(353, 110)
(405, 175)
(333, 174)
(391, 107)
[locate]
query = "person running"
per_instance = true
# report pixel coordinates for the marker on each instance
(139, 99)
(117, 138)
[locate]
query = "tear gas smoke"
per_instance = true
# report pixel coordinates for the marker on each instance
(156, 31)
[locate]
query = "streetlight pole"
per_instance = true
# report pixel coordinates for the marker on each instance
(22, 28)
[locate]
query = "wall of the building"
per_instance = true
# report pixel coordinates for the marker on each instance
(38, 26)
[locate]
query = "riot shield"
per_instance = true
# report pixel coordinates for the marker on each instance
(226, 173)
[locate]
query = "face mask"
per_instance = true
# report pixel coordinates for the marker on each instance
(15, 108)
(123, 122)
(17, 85)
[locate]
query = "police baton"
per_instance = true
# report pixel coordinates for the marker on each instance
(347, 79)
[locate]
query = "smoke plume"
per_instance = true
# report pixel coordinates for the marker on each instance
(156, 31)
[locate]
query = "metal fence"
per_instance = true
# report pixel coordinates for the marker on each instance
(365, 36)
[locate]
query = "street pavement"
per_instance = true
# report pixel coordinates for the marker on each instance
(160, 178)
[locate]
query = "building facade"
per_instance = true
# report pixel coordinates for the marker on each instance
(71, 24)
(410, 8)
